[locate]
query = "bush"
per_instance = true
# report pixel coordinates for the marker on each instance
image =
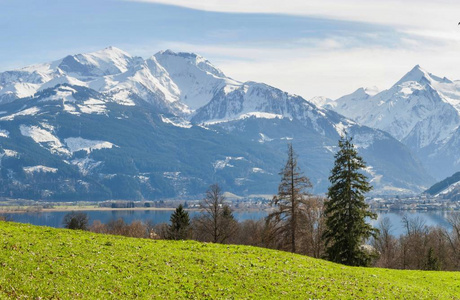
(76, 220)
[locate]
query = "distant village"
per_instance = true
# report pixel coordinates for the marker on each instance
(376, 203)
(419, 202)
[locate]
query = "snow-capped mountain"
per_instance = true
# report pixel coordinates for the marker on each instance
(196, 78)
(421, 110)
(110, 125)
(266, 114)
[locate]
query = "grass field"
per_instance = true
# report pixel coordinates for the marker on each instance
(43, 263)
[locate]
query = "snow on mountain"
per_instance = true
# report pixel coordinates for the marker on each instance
(417, 98)
(154, 110)
(259, 100)
(45, 138)
(73, 69)
(321, 101)
(77, 144)
(108, 61)
(38, 169)
(421, 110)
(85, 165)
(269, 116)
(196, 78)
(178, 83)
(25, 112)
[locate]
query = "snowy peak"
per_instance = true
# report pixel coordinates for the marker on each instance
(108, 61)
(420, 75)
(180, 82)
(416, 74)
(320, 101)
(421, 110)
(195, 77)
(190, 58)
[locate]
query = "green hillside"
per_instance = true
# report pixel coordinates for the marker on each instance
(43, 263)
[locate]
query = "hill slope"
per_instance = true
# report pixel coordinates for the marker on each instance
(40, 262)
(448, 188)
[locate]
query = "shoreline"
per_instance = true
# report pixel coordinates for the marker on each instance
(93, 208)
(69, 209)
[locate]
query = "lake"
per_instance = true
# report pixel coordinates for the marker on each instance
(54, 219)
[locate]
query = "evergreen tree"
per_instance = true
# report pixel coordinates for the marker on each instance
(346, 210)
(180, 224)
(291, 191)
(432, 262)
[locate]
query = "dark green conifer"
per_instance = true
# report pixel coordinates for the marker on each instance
(346, 211)
(180, 224)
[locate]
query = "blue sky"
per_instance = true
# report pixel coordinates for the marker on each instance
(311, 49)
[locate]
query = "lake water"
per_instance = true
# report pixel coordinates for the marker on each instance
(54, 219)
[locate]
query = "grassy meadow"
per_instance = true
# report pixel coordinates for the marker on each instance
(47, 263)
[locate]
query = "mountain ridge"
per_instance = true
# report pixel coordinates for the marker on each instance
(185, 125)
(421, 110)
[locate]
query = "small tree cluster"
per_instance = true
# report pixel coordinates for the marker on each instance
(216, 223)
(120, 227)
(420, 247)
(76, 220)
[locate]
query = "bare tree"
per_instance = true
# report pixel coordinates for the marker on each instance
(413, 244)
(453, 239)
(251, 233)
(291, 191)
(386, 244)
(216, 223)
(312, 225)
(98, 227)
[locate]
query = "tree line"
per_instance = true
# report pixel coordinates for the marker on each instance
(333, 228)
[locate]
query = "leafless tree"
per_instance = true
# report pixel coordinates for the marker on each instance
(312, 223)
(292, 190)
(386, 245)
(216, 223)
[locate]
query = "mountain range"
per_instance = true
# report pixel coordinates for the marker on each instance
(421, 110)
(108, 125)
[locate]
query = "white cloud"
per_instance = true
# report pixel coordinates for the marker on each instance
(425, 33)
(411, 13)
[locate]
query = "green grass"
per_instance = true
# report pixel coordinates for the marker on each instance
(56, 263)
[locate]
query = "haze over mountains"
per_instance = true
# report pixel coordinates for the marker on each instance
(107, 125)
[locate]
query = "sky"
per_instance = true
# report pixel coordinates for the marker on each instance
(310, 48)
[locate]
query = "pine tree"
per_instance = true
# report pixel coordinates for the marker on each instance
(346, 210)
(291, 191)
(180, 223)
